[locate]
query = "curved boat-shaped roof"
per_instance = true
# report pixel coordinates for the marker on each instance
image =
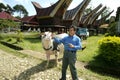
(102, 20)
(71, 14)
(30, 19)
(95, 16)
(36, 5)
(87, 17)
(53, 9)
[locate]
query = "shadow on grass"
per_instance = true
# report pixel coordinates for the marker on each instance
(35, 69)
(33, 40)
(11, 45)
(99, 65)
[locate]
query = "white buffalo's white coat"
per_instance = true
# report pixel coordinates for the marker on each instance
(47, 43)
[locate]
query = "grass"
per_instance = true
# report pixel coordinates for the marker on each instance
(90, 75)
(11, 51)
(91, 49)
(32, 41)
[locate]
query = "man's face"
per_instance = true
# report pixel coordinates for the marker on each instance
(71, 31)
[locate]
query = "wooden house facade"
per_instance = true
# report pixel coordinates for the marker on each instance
(29, 23)
(57, 16)
(51, 17)
(86, 18)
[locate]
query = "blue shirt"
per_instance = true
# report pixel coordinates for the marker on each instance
(75, 40)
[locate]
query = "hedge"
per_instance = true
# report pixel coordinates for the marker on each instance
(109, 49)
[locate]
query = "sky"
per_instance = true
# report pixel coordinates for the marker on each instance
(112, 4)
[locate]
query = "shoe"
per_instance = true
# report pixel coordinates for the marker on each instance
(83, 48)
(62, 79)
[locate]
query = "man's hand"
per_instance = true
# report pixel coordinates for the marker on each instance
(71, 45)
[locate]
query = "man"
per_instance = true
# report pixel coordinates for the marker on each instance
(71, 44)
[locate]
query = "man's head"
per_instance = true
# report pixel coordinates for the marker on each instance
(72, 30)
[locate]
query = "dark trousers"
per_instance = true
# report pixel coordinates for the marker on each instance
(69, 58)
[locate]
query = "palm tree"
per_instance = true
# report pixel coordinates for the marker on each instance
(21, 10)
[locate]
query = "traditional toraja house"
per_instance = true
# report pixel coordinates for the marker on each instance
(51, 17)
(56, 16)
(30, 23)
(92, 16)
(93, 28)
(103, 19)
(85, 18)
(73, 16)
(4, 15)
(95, 16)
(100, 24)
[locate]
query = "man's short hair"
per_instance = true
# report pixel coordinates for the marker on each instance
(74, 27)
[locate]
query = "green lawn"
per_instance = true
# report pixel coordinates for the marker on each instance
(32, 41)
(91, 48)
(12, 51)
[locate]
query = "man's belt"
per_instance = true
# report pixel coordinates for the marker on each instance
(71, 51)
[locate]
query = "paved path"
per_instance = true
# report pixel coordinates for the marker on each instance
(16, 68)
(42, 56)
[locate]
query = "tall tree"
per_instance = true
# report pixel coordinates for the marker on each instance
(6, 8)
(2, 7)
(117, 14)
(21, 10)
(9, 9)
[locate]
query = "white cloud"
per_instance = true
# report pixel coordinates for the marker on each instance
(112, 4)
(1, 1)
(22, 1)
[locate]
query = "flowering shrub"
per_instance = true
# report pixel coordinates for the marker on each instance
(109, 49)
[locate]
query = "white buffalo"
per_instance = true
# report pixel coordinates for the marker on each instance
(50, 48)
